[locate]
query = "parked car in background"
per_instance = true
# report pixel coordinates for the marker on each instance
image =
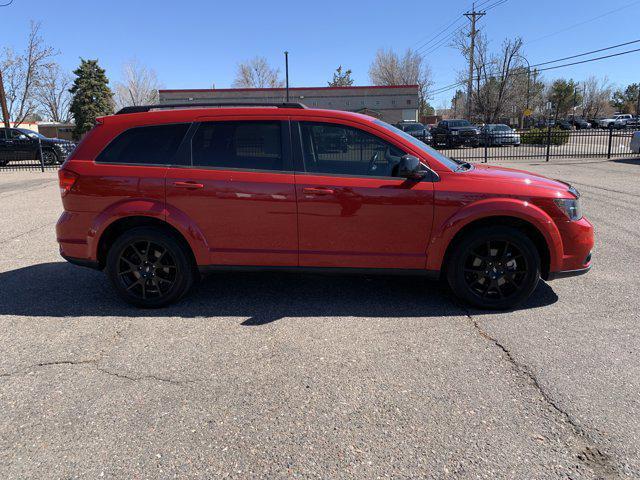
(455, 133)
(334, 140)
(563, 125)
(634, 123)
(580, 123)
(23, 144)
(635, 143)
(498, 134)
(157, 197)
(416, 129)
(617, 121)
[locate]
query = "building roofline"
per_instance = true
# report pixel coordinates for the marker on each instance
(282, 89)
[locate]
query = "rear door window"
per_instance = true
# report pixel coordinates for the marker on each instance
(251, 145)
(149, 145)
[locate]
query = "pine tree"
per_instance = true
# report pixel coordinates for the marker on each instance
(92, 96)
(341, 79)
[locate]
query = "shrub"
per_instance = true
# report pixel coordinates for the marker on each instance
(538, 136)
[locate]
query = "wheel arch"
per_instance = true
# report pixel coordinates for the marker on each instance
(531, 220)
(121, 225)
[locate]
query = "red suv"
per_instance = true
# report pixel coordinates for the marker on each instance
(158, 195)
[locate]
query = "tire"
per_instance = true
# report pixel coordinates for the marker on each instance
(150, 281)
(502, 281)
(49, 156)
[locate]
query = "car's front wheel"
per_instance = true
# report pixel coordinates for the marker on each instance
(494, 268)
(49, 157)
(149, 267)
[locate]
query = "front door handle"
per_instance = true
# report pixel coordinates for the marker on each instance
(318, 191)
(189, 185)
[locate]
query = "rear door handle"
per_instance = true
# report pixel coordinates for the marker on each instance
(318, 191)
(189, 185)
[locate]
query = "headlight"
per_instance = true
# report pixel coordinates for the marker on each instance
(571, 207)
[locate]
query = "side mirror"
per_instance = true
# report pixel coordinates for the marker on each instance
(410, 167)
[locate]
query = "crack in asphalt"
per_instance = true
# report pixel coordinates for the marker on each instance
(95, 362)
(8, 239)
(601, 462)
(100, 369)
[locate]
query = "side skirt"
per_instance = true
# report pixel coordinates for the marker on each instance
(431, 274)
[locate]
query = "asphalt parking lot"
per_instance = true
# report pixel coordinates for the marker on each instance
(274, 375)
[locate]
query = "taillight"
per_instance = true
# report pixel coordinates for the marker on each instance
(67, 178)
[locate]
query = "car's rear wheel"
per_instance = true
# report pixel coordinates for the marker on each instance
(494, 268)
(149, 267)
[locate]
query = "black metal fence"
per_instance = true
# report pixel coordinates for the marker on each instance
(542, 144)
(538, 144)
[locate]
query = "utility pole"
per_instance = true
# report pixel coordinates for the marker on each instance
(286, 69)
(3, 103)
(472, 16)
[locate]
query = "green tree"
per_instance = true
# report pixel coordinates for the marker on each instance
(91, 96)
(564, 95)
(626, 101)
(341, 79)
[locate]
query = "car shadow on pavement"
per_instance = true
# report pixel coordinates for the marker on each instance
(630, 161)
(63, 290)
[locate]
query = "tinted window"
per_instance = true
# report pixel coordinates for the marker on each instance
(344, 150)
(422, 146)
(251, 145)
(154, 145)
(459, 123)
(3, 135)
(17, 135)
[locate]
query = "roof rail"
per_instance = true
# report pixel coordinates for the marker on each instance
(146, 108)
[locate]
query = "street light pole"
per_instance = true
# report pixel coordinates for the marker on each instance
(528, 83)
(286, 69)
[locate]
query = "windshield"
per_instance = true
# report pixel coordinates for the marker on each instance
(459, 123)
(446, 161)
(412, 127)
(30, 133)
(501, 128)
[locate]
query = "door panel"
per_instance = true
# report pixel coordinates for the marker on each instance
(363, 222)
(240, 192)
(247, 218)
(358, 216)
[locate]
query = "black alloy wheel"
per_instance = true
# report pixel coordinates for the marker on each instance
(149, 267)
(49, 157)
(495, 268)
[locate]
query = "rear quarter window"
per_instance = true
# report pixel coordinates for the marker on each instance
(148, 145)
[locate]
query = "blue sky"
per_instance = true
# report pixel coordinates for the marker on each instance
(194, 44)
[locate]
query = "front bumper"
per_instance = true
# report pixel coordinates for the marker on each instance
(568, 273)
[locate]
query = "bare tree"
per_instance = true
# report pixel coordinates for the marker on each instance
(23, 73)
(139, 86)
(389, 68)
(500, 79)
(596, 95)
(52, 94)
(256, 73)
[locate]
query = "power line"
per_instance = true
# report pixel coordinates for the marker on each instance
(443, 30)
(597, 17)
(590, 60)
(454, 85)
(587, 53)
